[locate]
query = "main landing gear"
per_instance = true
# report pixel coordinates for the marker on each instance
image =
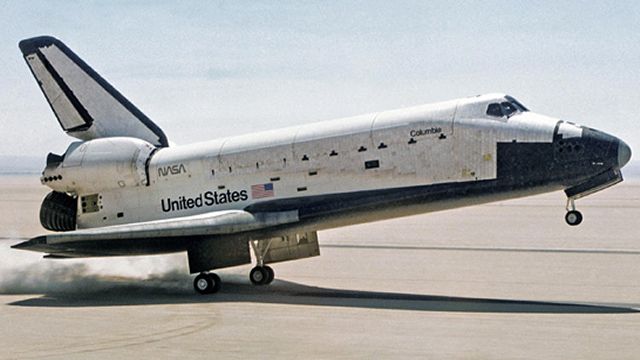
(210, 283)
(261, 274)
(207, 283)
(573, 216)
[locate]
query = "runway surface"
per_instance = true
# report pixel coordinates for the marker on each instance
(508, 280)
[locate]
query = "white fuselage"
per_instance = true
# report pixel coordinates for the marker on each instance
(441, 143)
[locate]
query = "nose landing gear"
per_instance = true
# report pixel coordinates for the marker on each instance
(573, 216)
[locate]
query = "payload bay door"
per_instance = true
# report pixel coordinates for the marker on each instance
(431, 143)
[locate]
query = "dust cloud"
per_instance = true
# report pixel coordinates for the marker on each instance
(23, 272)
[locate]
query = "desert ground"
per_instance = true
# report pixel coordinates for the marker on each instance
(508, 280)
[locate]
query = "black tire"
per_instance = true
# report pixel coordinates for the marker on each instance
(270, 275)
(217, 283)
(258, 275)
(207, 283)
(573, 217)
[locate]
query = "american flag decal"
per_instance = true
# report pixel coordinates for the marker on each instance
(262, 191)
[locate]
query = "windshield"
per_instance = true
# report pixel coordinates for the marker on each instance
(505, 108)
(516, 103)
(508, 108)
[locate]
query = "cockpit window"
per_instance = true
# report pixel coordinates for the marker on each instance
(505, 108)
(494, 110)
(515, 103)
(508, 109)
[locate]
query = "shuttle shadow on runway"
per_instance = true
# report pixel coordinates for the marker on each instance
(135, 292)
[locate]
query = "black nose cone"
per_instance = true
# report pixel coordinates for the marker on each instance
(604, 150)
(624, 153)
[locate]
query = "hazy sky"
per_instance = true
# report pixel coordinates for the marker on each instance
(207, 69)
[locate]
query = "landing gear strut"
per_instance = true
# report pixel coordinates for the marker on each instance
(207, 283)
(573, 216)
(261, 274)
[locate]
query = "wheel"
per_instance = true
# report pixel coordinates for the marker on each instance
(259, 275)
(271, 274)
(217, 283)
(573, 217)
(207, 283)
(203, 284)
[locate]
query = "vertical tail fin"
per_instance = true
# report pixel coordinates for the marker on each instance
(86, 105)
